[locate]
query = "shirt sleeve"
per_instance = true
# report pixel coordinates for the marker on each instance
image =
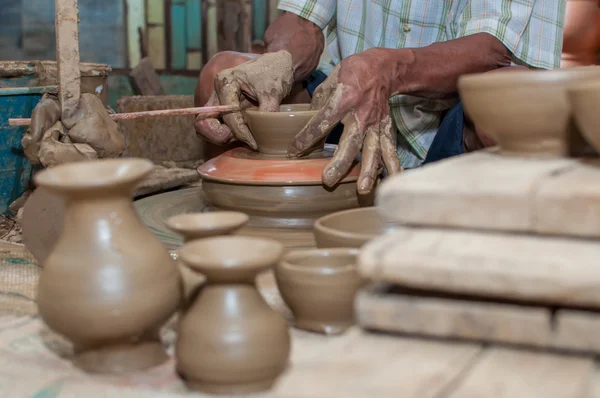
(531, 29)
(319, 12)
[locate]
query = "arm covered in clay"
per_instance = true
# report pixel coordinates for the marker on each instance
(294, 46)
(89, 133)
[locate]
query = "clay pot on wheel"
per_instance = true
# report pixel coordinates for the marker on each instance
(230, 341)
(109, 284)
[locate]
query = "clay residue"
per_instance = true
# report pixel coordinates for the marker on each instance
(54, 152)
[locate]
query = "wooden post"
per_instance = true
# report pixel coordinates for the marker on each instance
(67, 55)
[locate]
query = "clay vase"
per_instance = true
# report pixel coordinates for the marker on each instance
(230, 341)
(108, 284)
(319, 286)
(193, 226)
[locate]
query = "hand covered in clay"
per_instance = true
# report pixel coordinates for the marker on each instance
(356, 93)
(88, 134)
(266, 80)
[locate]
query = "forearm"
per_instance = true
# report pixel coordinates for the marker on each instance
(301, 38)
(433, 71)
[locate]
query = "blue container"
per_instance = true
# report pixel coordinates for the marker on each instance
(15, 170)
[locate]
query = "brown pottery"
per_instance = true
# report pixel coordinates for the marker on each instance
(109, 284)
(527, 113)
(585, 99)
(275, 131)
(350, 228)
(230, 341)
(319, 286)
(193, 226)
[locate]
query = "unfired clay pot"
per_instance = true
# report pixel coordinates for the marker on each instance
(274, 131)
(585, 99)
(230, 341)
(319, 286)
(109, 284)
(193, 226)
(526, 113)
(350, 228)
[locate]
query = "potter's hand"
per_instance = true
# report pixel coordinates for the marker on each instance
(88, 133)
(357, 94)
(267, 79)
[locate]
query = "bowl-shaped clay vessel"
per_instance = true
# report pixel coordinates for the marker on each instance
(203, 225)
(584, 103)
(350, 228)
(319, 286)
(526, 113)
(275, 131)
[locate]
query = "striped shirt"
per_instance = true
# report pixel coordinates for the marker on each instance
(531, 29)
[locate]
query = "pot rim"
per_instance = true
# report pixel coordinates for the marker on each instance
(287, 261)
(319, 224)
(219, 220)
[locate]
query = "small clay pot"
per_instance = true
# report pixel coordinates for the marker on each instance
(275, 131)
(350, 228)
(319, 287)
(526, 113)
(194, 226)
(584, 102)
(108, 284)
(230, 341)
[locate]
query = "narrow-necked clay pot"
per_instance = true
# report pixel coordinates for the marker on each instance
(319, 287)
(108, 284)
(350, 228)
(584, 102)
(193, 226)
(230, 341)
(275, 131)
(526, 113)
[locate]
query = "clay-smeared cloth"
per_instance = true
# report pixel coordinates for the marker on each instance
(19, 273)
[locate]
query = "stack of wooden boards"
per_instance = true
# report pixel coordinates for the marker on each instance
(489, 248)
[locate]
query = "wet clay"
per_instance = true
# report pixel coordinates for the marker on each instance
(527, 113)
(273, 131)
(350, 228)
(108, 284)
(230, 341)
(319, 286)
(53, 152)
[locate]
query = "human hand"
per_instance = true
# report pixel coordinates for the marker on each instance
(88, 133)
(356, 93)
(266, 79)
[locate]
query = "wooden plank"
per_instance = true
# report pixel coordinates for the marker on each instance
(67, 54)
(193, 14)
(504, 373)
(358, 365)
(178, 34)
(145, 79)
(156, 46)
(482, 190)
(379, 309)
(568, 203)
(136, 11)
(156, 12)
(510, 267)
(212, 40)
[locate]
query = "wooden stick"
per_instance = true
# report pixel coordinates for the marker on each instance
(206, 110)
(67, 56)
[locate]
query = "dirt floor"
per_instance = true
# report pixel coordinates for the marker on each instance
(10, 230)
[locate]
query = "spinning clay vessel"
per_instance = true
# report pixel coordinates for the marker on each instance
(230, 341)
(109, 284)
(319, 287)
(274, 190)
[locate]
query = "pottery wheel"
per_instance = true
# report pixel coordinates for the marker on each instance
(155, 210)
